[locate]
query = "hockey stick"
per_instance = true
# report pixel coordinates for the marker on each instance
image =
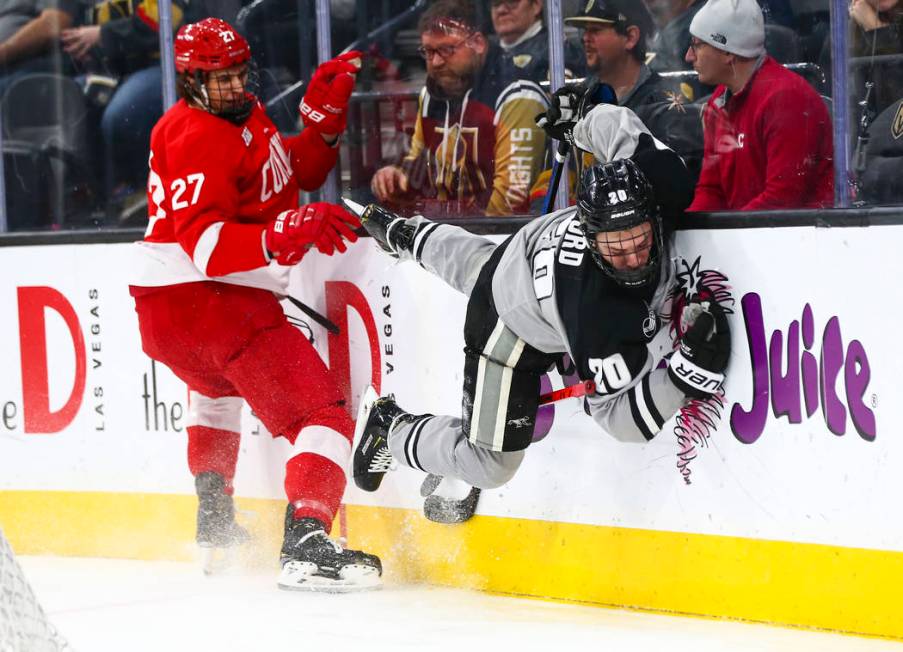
(596, 93)
(457, 510)
(313, 314)
(561, 155)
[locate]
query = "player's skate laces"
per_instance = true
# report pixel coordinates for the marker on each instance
(371, 459)
(382, 461)
(311, 561)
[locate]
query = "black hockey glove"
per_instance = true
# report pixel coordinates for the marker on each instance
(697, 367)
(570, 103)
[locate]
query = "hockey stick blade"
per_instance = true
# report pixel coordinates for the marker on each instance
(450, 511)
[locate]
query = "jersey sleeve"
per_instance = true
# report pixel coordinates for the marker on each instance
(519, 148)
(193, 184)
(312, 159)
(637, 412)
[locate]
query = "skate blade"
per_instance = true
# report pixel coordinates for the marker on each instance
(354, 580)
(217, 561)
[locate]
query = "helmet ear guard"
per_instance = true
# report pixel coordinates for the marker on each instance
(616, 197)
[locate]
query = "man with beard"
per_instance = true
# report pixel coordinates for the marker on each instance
(476, 148)
(615, 35)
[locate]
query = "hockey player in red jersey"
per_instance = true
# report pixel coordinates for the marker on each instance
(224, 229)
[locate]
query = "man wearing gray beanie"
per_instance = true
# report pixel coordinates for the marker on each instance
(768, 138)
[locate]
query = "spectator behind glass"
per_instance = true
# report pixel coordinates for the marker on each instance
(673, 38)
(768, 138)
(525, 41)
(877, 27)
(476, 147)
(29, 36)
(880, 179)
(615, 35)
(122, 44)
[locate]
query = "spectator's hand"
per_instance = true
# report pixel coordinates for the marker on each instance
(570, 103)
(697, 367)
(321, 225)
(866, 14)
(325, 103)
(389, 183)
(79, 41)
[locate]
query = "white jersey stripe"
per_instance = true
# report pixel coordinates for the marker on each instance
(222, 413)
(324, 442)
(203, 250)
(643, 409)
(498, 437)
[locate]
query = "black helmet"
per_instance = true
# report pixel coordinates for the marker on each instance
(617, 197)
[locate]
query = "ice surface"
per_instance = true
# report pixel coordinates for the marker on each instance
(105, 605)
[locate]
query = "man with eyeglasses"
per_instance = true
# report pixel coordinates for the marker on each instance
(476, 148)
(768, 138)
(524, 40)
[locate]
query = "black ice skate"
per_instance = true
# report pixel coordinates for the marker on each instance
(311, 561)
(371, 458)
(393, 234)
(217, 532)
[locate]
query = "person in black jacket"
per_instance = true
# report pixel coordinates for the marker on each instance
(615, 36)
(884, 158)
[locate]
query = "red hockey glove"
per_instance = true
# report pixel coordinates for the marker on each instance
(321, 225)
(325, 103)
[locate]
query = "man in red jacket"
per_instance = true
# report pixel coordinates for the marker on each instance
(768, 138)
(224, 230)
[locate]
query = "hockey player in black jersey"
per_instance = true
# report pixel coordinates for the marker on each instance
(589, 281)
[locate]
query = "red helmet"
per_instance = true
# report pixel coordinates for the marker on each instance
(210, 44)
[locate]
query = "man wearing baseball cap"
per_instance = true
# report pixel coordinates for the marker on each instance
(768, 138)
(615, 35)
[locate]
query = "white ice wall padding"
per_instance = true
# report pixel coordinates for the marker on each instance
(797, 482)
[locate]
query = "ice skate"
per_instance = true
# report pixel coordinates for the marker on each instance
(218, 535)
(371, 458)
(392, 232)
(311, 561)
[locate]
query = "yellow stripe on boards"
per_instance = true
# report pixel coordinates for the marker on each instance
(843, 589)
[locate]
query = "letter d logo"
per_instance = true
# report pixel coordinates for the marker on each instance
(38, 418)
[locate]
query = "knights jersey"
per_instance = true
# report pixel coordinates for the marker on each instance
(480, 152)
(213, 186)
